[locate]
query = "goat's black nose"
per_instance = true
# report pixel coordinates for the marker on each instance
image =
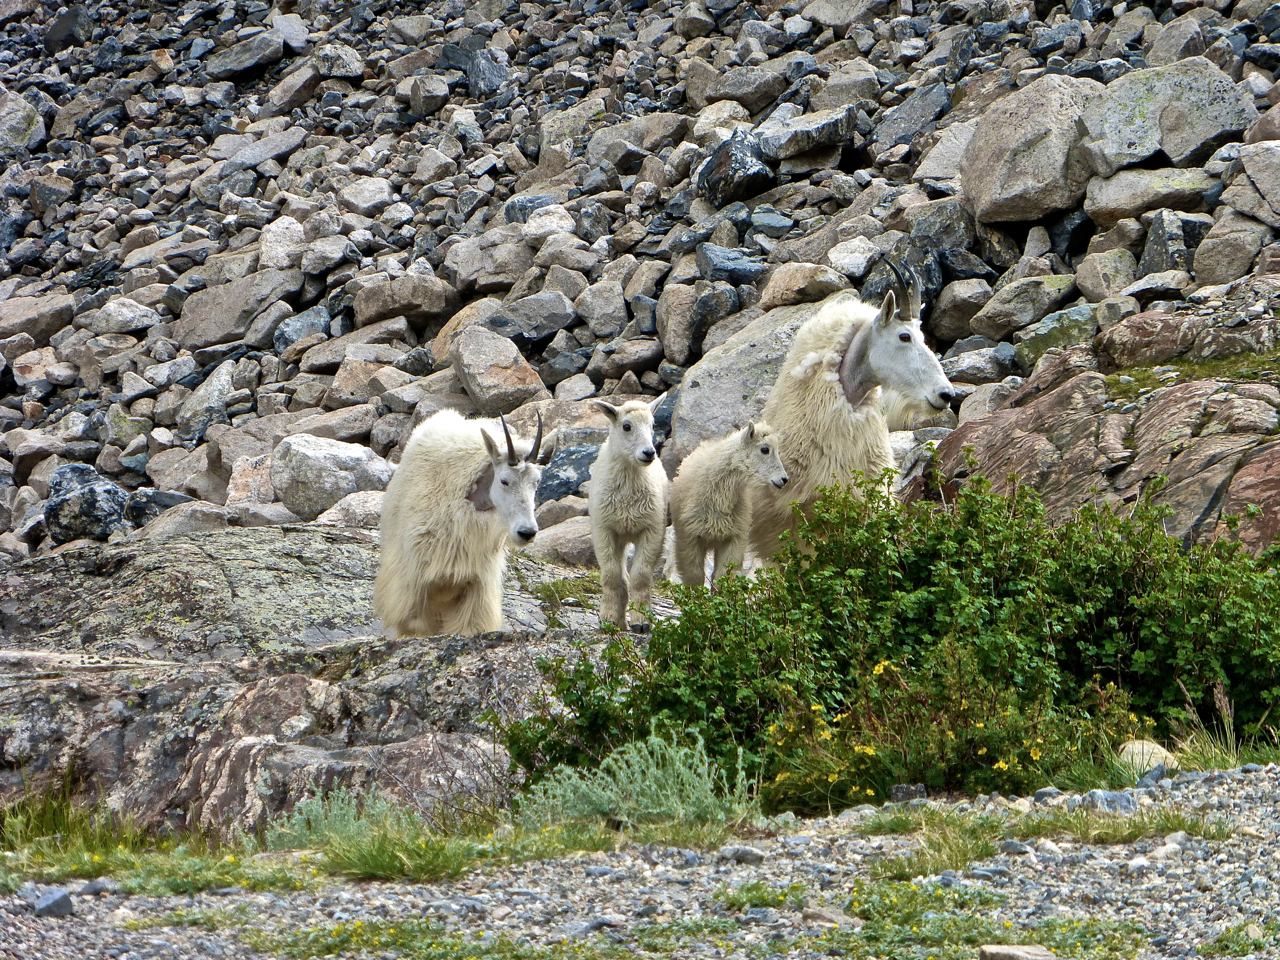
(781, 482)
(648, 455)
(946, 396)
(527, 533)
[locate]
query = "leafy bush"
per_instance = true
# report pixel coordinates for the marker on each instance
(649, 781)
(972, 645)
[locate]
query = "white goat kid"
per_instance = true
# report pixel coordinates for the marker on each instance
(710, 498)
(627, 501)
(825, 405)
(455, 501)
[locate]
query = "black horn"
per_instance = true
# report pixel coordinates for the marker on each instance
(910, 286)
(512, 459)
(537, 442)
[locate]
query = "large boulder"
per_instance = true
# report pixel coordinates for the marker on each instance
(311, 474)
(1228, 250)
(83, 505)
(493, 372)
(223, 313)
(1131, 193)
(38, 317)
(1021, 304)
(729, 385)
(1186, 110)
(424, 300)
(1022, 162)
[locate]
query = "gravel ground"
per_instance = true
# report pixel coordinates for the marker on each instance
(1184, 891)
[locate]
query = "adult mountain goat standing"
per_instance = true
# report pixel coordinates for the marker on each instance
(825, 405)
(627, 501)
(453, 504)
(711, 498)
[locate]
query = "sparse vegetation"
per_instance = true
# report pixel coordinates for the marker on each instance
(757, 893)
(1242, 940)
(1132, 382)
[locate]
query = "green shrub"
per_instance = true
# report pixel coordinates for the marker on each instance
(646, 782)
(973, 645)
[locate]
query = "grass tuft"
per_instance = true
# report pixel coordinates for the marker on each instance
(757, 893)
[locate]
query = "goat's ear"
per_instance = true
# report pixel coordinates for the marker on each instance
(751, 433)
(548, 447)
(888, 309)
(479, 494)
(608, 409)
(491, 447)
(656, 402)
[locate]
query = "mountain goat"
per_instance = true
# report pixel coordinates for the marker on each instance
(710, 505)
(825, 405)
(451, 507)
(627, 501)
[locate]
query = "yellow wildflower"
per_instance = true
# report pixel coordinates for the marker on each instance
(981, 751)
(870, 792)
(816, 707)
(825, 735)
(980, 725)
(1035, 753)
(832, 777)
(1000, 765)
(782, 776)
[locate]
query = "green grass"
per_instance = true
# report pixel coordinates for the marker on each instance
(953, 841)
(757, 893)
(1241, 940)
(579, 591)
(1258, 367)
(218, 918)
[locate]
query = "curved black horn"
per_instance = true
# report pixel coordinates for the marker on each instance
(910, 285)
(512, 459)
(537, 442)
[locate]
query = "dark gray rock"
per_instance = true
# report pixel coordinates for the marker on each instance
(735, 171)
(902, 792)
(300, 326)
(54, 903)
(256, 53)
(71, 28)
(1165, 248)
(517, 209)
(911, 116)
(731, 264)
(567, 471)
(485, 75)
(146, 504)
(533, 319)
(83, 505)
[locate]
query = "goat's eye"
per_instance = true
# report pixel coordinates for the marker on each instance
(626, 427)
(765, 451)
(904, 337)
(506, 483)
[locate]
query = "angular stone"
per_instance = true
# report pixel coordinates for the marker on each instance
(854, 257)
(981, 366)
(1180, 39)
(83, 505)
(753, 87)
(735, 171)
(1103, 275)
(427, 95)
(207, 404)
(275, 146)
(533, 319)
(1187, 110)
(21, 127)
(840, 15)
(1064, 328)
(1021, 162)
(38, 317)
(425, 301)
(337, 60)
(281, 245)
(118, 316)
(1227, 251)
(693, 21)
(956, 306)
(292, 92)
(311, 474)
(367, 196)
(603, 306)
(1021, 304)
(223, 313)
(792, 283)
(254, 54)
(903, 122)
(724, 263)
(806, 132)
(492, 371)
(54, 903)
(1131, 193)
(853, 82)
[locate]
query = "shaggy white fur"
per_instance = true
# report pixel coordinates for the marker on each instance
(448, 514)
(710, 498)
(627, 501)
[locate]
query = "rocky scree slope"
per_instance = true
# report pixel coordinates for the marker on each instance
(247, 248)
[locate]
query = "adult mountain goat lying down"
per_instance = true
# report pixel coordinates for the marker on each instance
(825, 405)
(455, 501)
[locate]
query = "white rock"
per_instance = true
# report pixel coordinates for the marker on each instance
(311, 474)
(853, 257)
(546, 222)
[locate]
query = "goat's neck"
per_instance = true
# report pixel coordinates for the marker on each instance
(856, 378)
